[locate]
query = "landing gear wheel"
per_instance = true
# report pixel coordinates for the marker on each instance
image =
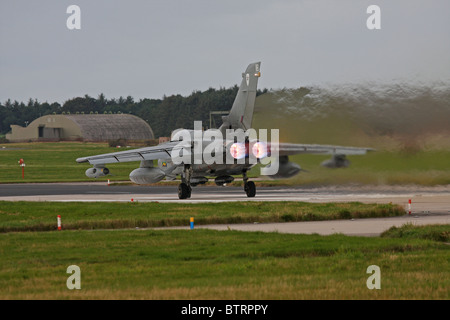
(184, 191)
(250, 189)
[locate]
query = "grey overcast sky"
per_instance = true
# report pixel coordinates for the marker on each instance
(148, 48)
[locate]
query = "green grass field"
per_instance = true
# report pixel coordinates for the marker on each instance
(205, 264)
(55, 162)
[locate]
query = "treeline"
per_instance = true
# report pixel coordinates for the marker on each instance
(163, 115)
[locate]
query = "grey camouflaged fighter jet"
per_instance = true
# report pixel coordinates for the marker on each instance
(187, 156)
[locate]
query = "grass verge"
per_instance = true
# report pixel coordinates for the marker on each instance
(41, 216)
(409, 231)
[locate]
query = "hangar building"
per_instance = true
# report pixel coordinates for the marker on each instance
(82, 127)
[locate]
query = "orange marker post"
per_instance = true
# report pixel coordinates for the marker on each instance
(59, 222)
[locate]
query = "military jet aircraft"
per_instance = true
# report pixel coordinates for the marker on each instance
(197, 155)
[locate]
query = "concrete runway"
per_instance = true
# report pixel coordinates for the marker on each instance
(430, 205)
(424, 199)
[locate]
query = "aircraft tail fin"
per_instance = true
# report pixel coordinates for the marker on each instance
(241, 113)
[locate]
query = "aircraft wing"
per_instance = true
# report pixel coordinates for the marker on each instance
(162, 151)
(287, 149)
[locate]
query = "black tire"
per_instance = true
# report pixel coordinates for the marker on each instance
(250, 189)
(183, 191)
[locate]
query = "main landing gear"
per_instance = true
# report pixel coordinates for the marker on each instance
(249, 186)
(184, 189)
